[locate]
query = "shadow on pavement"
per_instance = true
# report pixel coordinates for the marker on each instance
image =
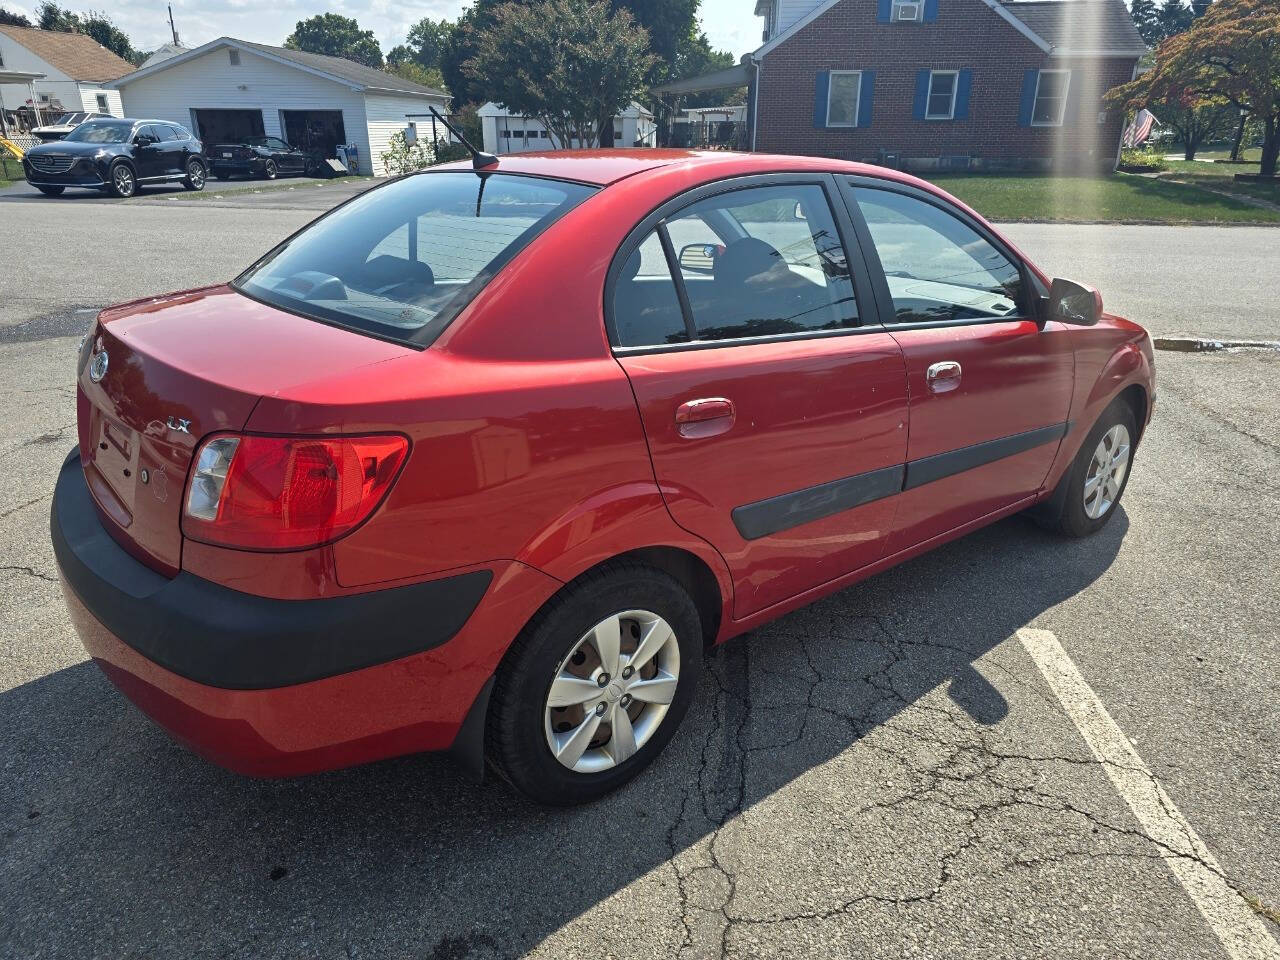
(117, 842)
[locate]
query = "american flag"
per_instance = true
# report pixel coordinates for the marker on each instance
(1138, 131)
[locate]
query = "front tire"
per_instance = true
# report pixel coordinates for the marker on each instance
(595, 685)
(122, 182)
(50, 191)
(269, 170)
(1099, 475)
(195, 178)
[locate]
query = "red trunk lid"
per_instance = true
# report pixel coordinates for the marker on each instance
(179, 368)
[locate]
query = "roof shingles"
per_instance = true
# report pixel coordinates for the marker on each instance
(1079, 24)
(349, 70)
(77, 55)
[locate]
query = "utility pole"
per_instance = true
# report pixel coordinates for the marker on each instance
(172, 28)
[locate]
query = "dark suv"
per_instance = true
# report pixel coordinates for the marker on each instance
(117, 157)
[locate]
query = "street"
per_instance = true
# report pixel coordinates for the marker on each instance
(916, 766)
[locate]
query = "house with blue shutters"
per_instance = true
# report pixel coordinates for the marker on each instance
(940, 84)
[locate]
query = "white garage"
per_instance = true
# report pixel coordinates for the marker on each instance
(230, 89)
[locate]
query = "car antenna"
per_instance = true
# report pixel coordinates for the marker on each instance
(479, 159)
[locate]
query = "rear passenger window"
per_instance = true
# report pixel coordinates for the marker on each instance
(937, 266)
(762, 261)
(646, 307)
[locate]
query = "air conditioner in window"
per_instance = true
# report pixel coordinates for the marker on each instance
(907, 11)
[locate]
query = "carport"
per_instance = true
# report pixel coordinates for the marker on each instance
(226, 126)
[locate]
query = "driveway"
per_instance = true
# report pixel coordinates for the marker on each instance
(1013, 746)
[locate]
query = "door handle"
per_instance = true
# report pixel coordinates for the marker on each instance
(705, 417)
(943, 377)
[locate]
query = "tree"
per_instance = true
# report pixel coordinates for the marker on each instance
(1173, 17)
(670, 23)
(415, 72)
(427, 39)
(571, 64)
(696, 58)
(13, 19)
(336, 36)
(1144, 13)
(50, 16)
(1231, 55)
(100, 26)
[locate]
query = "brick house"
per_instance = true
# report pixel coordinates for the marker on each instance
(942, 84)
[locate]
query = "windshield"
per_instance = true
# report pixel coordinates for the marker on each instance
(400, 261)
(95, 132)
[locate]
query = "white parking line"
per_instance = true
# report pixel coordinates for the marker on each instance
(1240, 930)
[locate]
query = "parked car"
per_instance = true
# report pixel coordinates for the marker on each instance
(485, 460)
(265, 157)
(117, 157)
(63, 125)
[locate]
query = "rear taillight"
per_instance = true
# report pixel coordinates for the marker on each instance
(287, 493)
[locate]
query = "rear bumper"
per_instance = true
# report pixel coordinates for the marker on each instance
(277, 687)
(220, 165)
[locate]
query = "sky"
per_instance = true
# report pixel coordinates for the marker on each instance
(730, 24)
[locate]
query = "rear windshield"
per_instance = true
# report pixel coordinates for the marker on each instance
(400, 261)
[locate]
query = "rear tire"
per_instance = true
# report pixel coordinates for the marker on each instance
(50, 191)
(660, 647)
(1091, 490)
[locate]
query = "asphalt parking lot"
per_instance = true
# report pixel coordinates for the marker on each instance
(1012, 747)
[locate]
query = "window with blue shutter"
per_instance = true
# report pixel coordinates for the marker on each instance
(930, 11)
(964, 84)
(866, 97)
(820, 95)
(884, 11)
(1030, 78)
(921, 103)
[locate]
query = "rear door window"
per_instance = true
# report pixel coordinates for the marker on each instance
(400, 261)
(760, 261)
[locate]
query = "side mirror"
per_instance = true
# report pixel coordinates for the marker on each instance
(699, 257)
(1074, 303)
(142, 140)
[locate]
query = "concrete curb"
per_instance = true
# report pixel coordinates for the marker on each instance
(1203, 345)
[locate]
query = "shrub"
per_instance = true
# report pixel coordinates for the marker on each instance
(399, 158)
(448, 152)
(1142, 161)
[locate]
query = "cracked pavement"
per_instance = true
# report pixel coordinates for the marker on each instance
(882, 774)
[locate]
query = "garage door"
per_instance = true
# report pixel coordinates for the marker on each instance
(315, 131)
(227, 126)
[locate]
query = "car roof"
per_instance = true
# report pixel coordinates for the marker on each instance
(603, 167)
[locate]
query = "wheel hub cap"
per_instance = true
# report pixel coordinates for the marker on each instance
(1105, 476)
(612, 691)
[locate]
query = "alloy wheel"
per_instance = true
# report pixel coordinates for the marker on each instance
(122, 177)
(269, 170)
(195, 175)
(612, 691)
(1106, 472)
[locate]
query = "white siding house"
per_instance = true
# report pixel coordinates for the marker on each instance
(505, 132)
(76, 73)
(229, 89)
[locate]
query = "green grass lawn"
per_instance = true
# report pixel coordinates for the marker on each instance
(1222, 177)
(1248, 153)
(1117, 197)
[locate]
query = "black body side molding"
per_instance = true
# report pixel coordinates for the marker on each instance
(929, 469)
(788, 510)
(223, 638)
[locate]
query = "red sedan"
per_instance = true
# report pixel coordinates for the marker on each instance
(485, 459)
